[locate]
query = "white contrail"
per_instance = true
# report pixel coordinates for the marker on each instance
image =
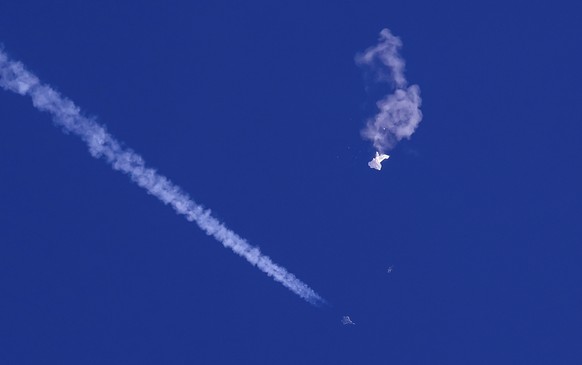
(399, 113)
(14, 77)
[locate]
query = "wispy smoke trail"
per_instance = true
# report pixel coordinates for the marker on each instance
(399, 113)
(14, 77)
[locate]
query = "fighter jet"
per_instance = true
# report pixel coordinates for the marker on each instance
(376, 162)
(346, 320)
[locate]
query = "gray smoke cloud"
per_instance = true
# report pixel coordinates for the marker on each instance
(14, 77)
(398, 113)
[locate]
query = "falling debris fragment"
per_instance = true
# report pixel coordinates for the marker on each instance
(347, 321)
(376, 162)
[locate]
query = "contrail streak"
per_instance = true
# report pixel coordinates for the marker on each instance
(398, 113)
(14, 77)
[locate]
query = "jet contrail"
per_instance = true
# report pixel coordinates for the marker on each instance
(399, 113)
(14, 77)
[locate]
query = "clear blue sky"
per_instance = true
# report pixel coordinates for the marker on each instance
(255, 110)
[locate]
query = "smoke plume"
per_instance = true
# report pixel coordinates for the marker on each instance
(398, 113)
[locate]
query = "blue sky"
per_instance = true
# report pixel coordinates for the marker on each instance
(255, 110)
